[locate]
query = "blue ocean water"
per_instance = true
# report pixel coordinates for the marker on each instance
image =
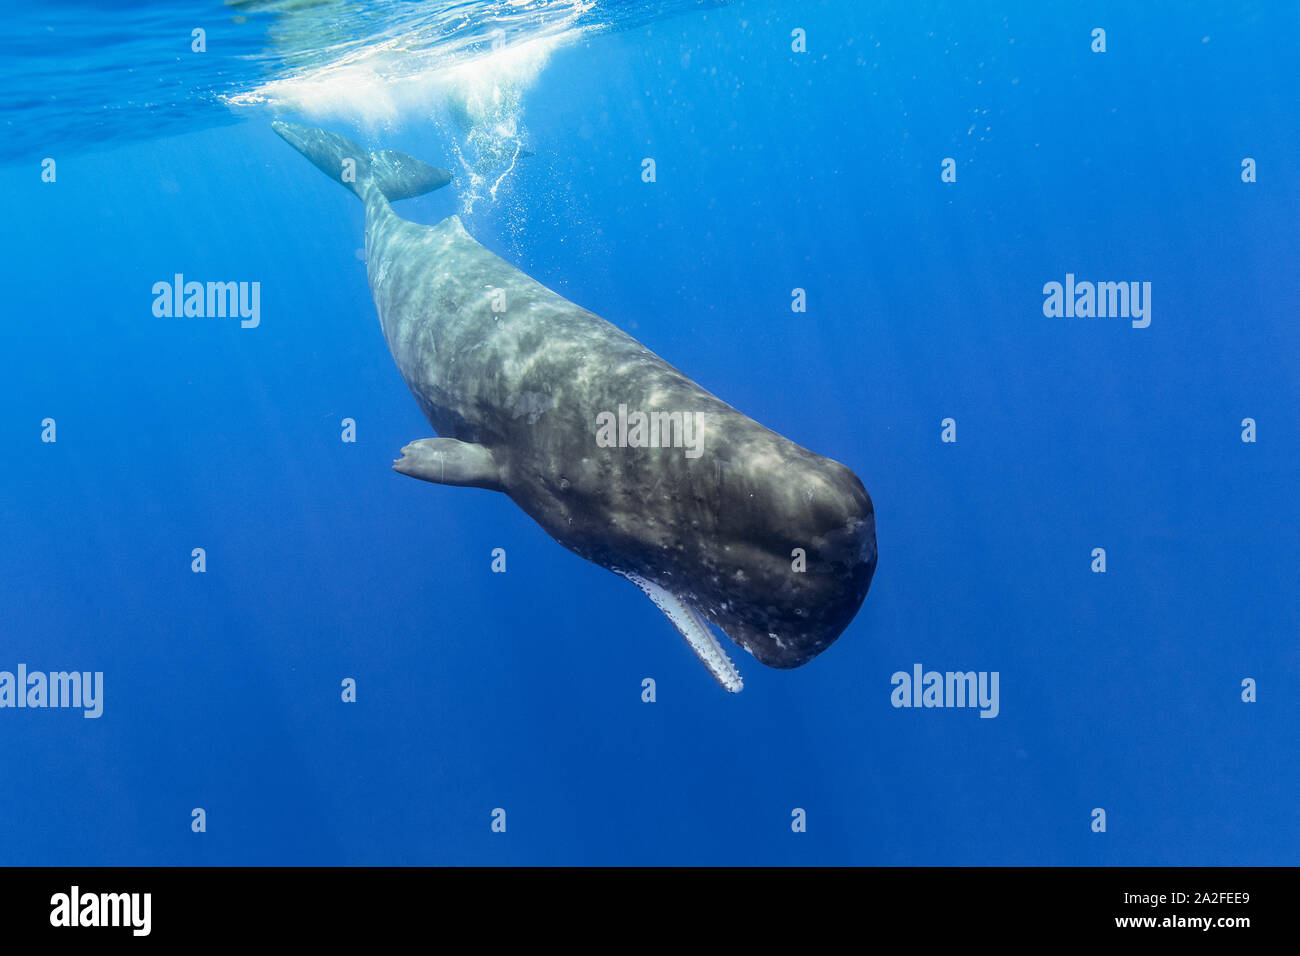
(777, 170)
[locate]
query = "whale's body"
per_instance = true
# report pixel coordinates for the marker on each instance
(771, 542)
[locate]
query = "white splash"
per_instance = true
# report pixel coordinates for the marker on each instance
(472, 88)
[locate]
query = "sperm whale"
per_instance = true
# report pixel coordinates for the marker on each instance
(619, 456)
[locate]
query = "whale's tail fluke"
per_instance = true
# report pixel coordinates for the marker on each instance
(396, 175)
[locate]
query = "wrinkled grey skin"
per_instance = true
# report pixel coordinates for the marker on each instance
(523, 388)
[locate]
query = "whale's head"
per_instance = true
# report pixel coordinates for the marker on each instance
(792, 564)
(773, 544)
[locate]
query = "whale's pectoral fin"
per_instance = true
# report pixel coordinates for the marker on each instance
(695, 628)
(446, 461)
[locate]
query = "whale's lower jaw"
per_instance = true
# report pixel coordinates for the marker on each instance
(781, 616)
(774, 638)
(695, 628)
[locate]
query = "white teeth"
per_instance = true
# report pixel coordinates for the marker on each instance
(695, 628)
